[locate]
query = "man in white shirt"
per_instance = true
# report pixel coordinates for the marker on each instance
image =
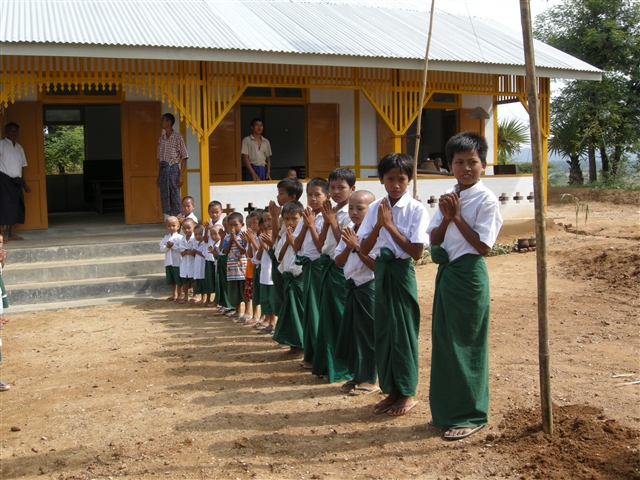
(256, 153)
(12, 161)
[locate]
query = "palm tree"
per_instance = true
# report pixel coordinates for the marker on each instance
(567, 140)
(512, 134)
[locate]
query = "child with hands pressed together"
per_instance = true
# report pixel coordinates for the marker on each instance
(236, 252)
(170, 246)
(463, 230)
(188, 206)
(222, 297)
(210, 277)
(394, 232)
(199, 263)
(266, 281)
(252, 284)
(186, 247)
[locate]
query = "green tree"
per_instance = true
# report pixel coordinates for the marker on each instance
(512, 134)
(64, 149)
(606, 34)
(567, 141)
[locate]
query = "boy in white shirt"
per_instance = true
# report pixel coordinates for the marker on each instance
(308, 247)
(188, 206)
(170, 246)
(199, 263)
(395, 232)
(266, 280)
(355, 343)
(463, 230)
(186, 263)
(211, 262)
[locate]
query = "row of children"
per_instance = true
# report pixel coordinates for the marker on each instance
(338, 285)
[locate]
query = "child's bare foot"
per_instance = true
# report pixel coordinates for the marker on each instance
(183, 300)
(364, 389)
(295, 351)
(384, 405)
(402, 406)
(4, 320)
(306, 365)
(171, 299)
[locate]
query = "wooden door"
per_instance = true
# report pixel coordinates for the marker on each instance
(29, 116)
(467, 125)
(385, 138)
(323, 139)
(225, 162)
(140, 133)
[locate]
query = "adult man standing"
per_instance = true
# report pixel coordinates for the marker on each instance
(172, 155)
(256, 153)
(12, 161)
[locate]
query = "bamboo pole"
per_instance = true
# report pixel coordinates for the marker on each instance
(421, 104)
(541, 240)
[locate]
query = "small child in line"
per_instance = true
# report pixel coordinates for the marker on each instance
(236, 252)
(188, 206)
(170, 246)
(308, 247)
(215, 214)
(355, 344)
(222, 298)
(199, 263)
(250, 237)
(3, 304)
(213, 242)
(289, 327)
(265, 280)
(394, 232)
(186, 263)
(463, 230)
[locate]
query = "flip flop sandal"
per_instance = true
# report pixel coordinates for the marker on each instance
(4, 387)
(348, 386)
(473, 428)
(306, 367)
(406, 409)
(359, 391)
(382, 406)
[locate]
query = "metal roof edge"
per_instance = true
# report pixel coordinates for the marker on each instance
(283, 58)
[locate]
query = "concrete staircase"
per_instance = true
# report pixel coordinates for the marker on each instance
(84, 268)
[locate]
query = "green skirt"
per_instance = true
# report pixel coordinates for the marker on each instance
(235, 292)
(172, 275)
(459, 386)
(311, 281)
(3, 294)
(289, 327)
(209, 277)
(278, 283)
(255, 296)
(355, 343)
(222, 297)
(331, 302)
(266, 298)
(397, 324)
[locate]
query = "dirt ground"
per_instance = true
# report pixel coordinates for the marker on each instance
(160, 390)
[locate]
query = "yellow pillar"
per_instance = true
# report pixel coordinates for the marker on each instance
(545, 171)
(356, 131)
(397, 143)
(204, 176)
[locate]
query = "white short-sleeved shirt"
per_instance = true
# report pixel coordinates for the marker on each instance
(265, 269)
(199, 262)
(480, 208)
(354, 268)
(330, 243)
(410, 218)
(257, 156)
(254, 257)
(308, 248)
(12, 158)
(186, 263)
(193, 217)
(171, 255)
(288, 263)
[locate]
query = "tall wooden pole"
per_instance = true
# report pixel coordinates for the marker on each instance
(541, 238)
(423, 92)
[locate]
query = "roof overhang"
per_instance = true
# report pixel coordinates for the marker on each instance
(282, 58)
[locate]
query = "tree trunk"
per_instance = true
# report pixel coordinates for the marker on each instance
(575, 172)
(605, 159)
(593, 172)
(616, 160)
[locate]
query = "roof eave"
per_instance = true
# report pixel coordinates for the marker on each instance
(203, 54)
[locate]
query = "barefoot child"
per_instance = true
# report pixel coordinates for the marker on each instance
(289, 327)
(308, 248)
(236, 252)
(463, 230)
(332, 295)
(199, 263)
(394, 232)
(186, 263)
(170, 246)
(355, 343)
(3, 304)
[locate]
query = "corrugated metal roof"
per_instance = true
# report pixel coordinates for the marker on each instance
(336, 29)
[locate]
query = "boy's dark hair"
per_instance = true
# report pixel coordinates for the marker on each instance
(257, 119)
(214, 203)
(345, 174)
(199, 226)
(235, 216)
(255, 213)
(292, 207)
(189, 220)
(260, 222)
(318, 182)
(11, 125)
(292, 186)
(170, 117)
(190, 198)
(467, 142)
(390, 161)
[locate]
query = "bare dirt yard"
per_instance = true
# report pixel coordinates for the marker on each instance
(154, 389)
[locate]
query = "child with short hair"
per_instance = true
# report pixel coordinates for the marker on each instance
(355, 343)
(199, 263)
(332, 296)
(170, 246)
(266, 281)
(186, 247)
(288, 330)
(215, 214)
(211, 265)
(250, 237)
(4, 303)
(236, 252)
(188, 206)
(222, 297)
(463, 230)
(308, 247)
(394, 232)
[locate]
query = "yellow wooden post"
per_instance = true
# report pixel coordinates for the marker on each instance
(204, 176)
(397, 143)
(356, 131)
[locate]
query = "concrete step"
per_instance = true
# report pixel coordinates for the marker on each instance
(85, 251)
(125, 266)
(70, 290)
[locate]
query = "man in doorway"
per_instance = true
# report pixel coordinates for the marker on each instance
(256, 153)
(172, 155)
(12, 161)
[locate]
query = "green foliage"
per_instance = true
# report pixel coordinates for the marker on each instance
(579, 206)
(512, 134)
(503, 249)
(525, 167)
(606, 34)
(568, 141)
(64, 149)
